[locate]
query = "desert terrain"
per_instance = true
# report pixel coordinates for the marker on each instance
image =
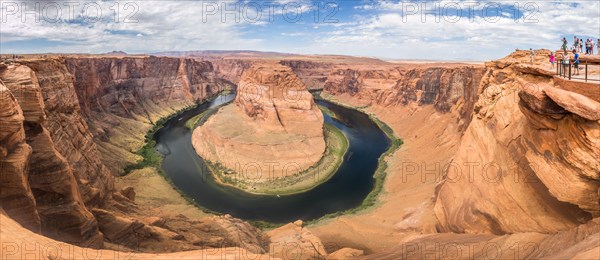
(498, 159)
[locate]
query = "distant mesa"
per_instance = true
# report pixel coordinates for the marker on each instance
(222, 53)
(116, 53)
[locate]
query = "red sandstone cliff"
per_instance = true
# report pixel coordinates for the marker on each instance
(121, 97)
(56, 166)
(533, 138)
(450, 88)
(524, 158)
(528, 160)
(63, 172)
(15, 191)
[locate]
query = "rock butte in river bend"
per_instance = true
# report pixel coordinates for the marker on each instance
(274, 125)
(69, 125)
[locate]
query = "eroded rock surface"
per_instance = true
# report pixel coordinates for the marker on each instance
(122, 97)
(523, 150)
(52, 127)
(54, 173)
(274, 126)
(292, 241)
(15, 191)
(527, 161)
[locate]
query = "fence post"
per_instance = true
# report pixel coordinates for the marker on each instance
(570, 69)
(586, 70)
(562, 64)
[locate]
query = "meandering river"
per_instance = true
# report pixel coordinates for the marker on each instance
(345, 190)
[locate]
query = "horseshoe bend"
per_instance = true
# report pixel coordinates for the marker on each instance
(273, 130)
(383, 149)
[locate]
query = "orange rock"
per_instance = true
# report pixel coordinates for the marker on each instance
(273, 130)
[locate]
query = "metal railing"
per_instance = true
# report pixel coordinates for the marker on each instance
(563, 71)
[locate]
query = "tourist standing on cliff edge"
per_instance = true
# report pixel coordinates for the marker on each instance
(565, 44)
(552, 58)
(531, 55)
(587, 46)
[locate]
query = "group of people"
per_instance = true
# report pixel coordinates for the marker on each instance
(566, 60)
(579, 44)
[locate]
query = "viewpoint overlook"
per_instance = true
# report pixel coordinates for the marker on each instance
(176, 154)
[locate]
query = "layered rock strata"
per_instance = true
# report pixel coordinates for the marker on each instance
(59, 142)
(65, 119)
(274, 127)
(528, 160)
(122, 97)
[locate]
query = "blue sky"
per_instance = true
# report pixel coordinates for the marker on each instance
(448, 30)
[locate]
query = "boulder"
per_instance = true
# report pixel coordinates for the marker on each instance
(294, 242)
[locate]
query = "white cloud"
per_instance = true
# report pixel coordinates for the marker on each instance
(390, 34)
(377, 29)
(166, 25)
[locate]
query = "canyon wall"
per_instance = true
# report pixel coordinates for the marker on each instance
(63, 172)
(523, 149)
(231, 69)
(449, 88)
(122, 97)
(15, 191)
(528, 160)
(314, 74)
(69, 125)
(273, 94)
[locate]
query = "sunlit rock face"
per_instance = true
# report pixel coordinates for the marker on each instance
(54, 167)
(273, 95)
(274, 126)
(531, 151)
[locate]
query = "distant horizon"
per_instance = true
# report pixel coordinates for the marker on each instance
(254, 51)
(384, 29)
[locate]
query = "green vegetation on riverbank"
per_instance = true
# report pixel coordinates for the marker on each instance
(151, 157)
(380, 172)
(327, 111)
(193, 122)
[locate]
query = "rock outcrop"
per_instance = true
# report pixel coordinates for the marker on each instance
(528, 160)
(292, 241)
(313, 74)
(274, 126)
(20, 243)
(580, 242)
(59, 205)
(55, 171)
(231, 69)
(15, 192)
(521, 159)
(275, 96)
(69, 129)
